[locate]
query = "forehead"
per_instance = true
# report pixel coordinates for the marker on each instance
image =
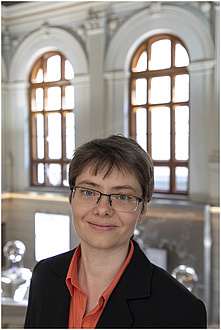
(113, 178)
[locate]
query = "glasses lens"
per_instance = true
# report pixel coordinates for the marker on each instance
(124, 203)
(84, 195)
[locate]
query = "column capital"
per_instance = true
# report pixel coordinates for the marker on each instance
(95, 20)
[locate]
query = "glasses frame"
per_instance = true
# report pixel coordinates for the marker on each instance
(139, 200)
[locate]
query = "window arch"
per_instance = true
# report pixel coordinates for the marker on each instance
(159, 109)
(52, 120)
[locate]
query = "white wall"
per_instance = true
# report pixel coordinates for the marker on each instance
(99, 39)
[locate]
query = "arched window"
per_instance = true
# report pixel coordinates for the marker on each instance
(52, 120)
(159, 109)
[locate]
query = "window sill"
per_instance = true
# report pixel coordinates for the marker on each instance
(38, 193)
(170, 200)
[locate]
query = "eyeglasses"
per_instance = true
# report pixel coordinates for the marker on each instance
(119, 202)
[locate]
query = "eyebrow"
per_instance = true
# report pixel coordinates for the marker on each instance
(90, 183)
(95, 185)
(128, 187)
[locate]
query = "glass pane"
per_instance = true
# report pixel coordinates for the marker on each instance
(160, 129)
(181, 92)
(40, 136)
(160, 55)
(69, 98)
(139, 93)
(181, 174)
(54, 174)
(69, 72)
(52, 235)
(40, 173)
(37, 102)
(39, 77)
(160, 90)
(54, 136)
(53, 68)
(65, 175)
(182, 133)
(141, 127)
(141, 63)
(54, 98)
(162, 178)
(70, 134)
(181, 56)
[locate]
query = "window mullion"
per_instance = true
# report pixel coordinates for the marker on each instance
(149, 135)
(62, 68)
(46, 136)
(63, 144)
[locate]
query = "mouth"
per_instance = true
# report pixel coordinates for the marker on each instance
(102, 226)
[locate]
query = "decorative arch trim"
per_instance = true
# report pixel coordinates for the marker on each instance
(44, 40)
(175, 20)
(3, 70)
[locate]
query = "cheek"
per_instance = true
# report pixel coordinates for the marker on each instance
(131, 221)
(78, 213)
(77, 209)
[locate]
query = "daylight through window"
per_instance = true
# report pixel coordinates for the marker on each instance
(52, 120)
(159, 109)
(52, 235)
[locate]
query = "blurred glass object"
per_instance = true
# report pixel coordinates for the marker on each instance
(14, 251)
(186, 275)
(15, 280)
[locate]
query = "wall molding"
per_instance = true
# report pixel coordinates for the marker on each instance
(166, 19)
(44, 40)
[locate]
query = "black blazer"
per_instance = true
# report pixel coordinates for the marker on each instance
(145, 297)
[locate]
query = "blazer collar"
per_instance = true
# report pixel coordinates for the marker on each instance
(134, 284)
(138, 275)
(60, 266)
(57, 296)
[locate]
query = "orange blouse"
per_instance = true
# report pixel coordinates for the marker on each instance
(77, 317)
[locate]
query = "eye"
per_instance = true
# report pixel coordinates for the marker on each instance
(127, 199)
(87, 192)
(123, 198)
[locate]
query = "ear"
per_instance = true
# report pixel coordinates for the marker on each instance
(143, 213)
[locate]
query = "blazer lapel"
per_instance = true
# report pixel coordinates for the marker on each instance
(57, 296)
(134, 284)
(116, 313)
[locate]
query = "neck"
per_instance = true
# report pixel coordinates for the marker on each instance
(97, 269)
(98, 262)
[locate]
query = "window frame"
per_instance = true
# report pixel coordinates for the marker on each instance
(172, 163)
(34, 160)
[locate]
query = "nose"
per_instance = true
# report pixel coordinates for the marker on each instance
(103, 206)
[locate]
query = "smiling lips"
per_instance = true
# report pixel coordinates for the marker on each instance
(101, 226)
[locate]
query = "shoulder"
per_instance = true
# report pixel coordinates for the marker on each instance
(174, 297)
(159, 277)
(166, 283)
(164, 295)
(160, 285)
(54, 265)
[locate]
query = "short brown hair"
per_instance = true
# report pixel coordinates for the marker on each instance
(115, 151)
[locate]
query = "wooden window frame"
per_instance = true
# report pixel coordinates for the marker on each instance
(148, 74)
(34, 160)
